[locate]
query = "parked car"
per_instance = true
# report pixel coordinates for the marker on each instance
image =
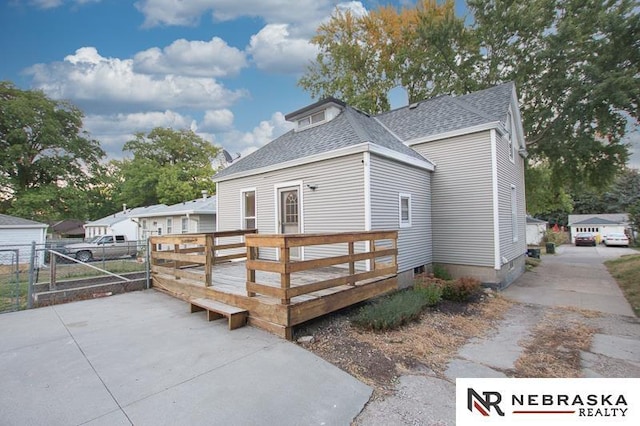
(616, 239)
(102, 247)
(585, 239)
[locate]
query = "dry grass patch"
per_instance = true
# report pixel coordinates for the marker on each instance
(378, 358)
(555, 345)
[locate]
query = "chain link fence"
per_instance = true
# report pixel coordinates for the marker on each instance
(34, 275)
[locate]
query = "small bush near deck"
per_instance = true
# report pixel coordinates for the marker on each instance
(461, 289)
(394, 310)
(441, 272)
(432, 294)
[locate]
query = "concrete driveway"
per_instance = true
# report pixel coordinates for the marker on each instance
(140, 358)
(575, 276)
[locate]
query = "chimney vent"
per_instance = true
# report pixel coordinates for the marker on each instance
(124, 208)
(205, 194)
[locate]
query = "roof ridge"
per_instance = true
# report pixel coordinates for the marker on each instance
(469, 108)
(362, 133)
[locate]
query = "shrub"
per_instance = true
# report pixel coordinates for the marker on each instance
(441, 272)
(460, 290)
(394, 310)
(432, 294)
(557, 238)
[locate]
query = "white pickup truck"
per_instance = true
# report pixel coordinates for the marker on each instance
(102, 247)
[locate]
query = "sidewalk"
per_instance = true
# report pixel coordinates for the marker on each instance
(140, 358)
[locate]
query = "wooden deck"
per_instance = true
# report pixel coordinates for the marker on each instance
(278, 293)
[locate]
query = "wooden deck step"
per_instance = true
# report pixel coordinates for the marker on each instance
(215, 310)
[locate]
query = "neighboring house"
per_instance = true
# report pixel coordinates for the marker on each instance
(68, 228)
(16, 237)
(599, 224)
(535, 230)
(124, 222)
(447, 173)
(197, 215)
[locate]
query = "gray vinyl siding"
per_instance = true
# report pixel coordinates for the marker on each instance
(388, 180)
(337, 205)
(510, 173)
(462, 201)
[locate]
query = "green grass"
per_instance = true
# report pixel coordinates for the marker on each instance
(626, 271)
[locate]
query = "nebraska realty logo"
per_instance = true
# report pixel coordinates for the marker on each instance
(554, 401)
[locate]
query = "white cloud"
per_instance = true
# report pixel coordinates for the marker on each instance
(172, 12)
(214, 58)
(102, 84)
(244, 143)
(356, 8)
(274, 50)
(219, 119)
(115, 129)
(51, 4)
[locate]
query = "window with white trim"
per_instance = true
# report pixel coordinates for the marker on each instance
(316, 118)
(249, 209)
(509, 129)
(184, 225)
(514, 213)
(404, 210)
(169, 225)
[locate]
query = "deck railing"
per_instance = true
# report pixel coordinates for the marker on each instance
(377, 245)
(196, 251)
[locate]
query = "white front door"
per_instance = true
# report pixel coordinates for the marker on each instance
(289, 214)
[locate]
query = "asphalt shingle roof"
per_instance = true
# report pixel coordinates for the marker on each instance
(122, 215)
(350, 127)
(596, 221)
(197, 206)
(446, 113)
(6, 220)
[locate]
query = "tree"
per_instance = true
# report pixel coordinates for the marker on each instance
(574, 63)
(543, 199)
(168, 166)
(46, 158)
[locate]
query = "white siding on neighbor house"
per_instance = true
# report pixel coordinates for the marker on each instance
(388, 180)
(462, 202)
(20, 239)
(337, 204)
(510, 173)
(198, 223)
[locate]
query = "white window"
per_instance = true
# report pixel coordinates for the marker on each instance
(509, 129)
(318, 117)
(404, 210)
(185, 225)
(249, 209)
(514, 213)
(169, 225)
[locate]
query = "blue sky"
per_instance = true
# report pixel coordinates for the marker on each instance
(225, 68)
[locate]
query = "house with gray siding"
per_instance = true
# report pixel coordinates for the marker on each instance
(191, 216)
(447, 173)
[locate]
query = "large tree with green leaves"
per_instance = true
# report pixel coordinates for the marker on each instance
(168, 166)
(574, 63)
(47, 162)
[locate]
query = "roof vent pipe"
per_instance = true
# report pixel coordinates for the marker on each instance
(124, 208)
(205, 194)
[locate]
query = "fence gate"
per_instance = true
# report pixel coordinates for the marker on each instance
(9, 280)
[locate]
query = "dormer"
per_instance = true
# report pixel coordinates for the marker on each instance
(315, 114)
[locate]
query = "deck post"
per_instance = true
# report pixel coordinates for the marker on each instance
(251, 273)
(176, 249)
(394, 245)
(372, 248)
(285, 277)
(209, 247)
(352, 264)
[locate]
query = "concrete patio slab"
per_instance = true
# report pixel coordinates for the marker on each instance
(141, 358)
